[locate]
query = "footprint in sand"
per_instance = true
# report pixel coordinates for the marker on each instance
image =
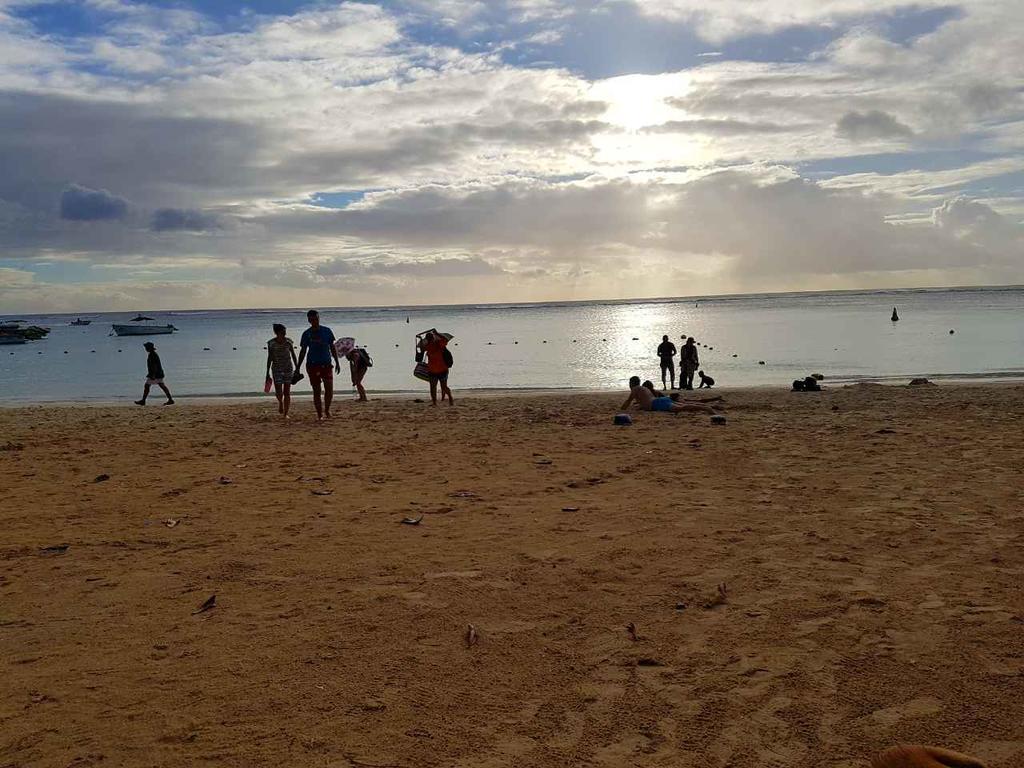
(919, 707)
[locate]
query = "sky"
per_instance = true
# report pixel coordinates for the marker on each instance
(285, 153)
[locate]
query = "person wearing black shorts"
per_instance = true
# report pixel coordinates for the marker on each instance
(666, 351)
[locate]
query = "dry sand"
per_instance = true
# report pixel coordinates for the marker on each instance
(870, 539)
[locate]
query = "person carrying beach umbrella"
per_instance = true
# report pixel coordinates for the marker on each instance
(439, 362)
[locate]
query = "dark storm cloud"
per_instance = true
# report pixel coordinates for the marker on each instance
(78, 203)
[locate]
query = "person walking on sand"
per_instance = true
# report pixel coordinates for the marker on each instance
(359, 362)
(154, 375)
(439, 363)
(281, 365)
(318, 343)
(666, 351)
(645, 398)
(689, 362)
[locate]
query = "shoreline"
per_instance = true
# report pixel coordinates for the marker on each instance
(479, 393)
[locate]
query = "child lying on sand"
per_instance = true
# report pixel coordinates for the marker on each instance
(648, 402)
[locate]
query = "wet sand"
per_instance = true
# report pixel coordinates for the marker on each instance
(870, 540)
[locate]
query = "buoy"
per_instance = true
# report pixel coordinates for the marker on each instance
(760, 362)
(206, 349)
(735, 355)
(92, 351)
(711, 348)
(518, 342)
(543, 342)
(951, 331)
(396, 346)
(65, 351)
(895, 315)
(235, 349)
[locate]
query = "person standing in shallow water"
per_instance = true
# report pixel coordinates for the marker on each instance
(689, 362)
(154, 375)
(318, 343)
(281, 365)
(666, 351)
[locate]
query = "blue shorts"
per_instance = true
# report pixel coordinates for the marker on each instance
(661, 404)
(436, 377)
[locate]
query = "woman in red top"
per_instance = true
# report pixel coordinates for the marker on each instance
(434, 344)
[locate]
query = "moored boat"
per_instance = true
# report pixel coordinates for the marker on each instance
(80, 321)
(143, 329)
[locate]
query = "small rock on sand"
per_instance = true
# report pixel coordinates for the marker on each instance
(921, 383)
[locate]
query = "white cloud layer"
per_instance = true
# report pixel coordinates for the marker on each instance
(174, 143)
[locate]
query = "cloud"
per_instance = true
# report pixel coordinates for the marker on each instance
(723, 127)
(183, 220)
(868, 126)
(420, 268)
(79, 203)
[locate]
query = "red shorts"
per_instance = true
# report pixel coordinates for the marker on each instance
(320, 373)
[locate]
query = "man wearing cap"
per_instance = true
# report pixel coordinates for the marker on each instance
(154, 375)
(318, 342)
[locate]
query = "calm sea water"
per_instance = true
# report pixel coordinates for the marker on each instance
(845, 336)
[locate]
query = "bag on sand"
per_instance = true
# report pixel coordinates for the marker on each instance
(421, 372)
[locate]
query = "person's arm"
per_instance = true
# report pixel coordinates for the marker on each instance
(334, 354)
(629, 400)
(291, 348)
(302, 353)
(270, 359)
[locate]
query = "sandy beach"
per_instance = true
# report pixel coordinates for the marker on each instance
(869, 539)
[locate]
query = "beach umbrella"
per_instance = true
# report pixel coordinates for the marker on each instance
(344, 345)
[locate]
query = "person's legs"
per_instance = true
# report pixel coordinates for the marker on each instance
(433, 390)
(315, 382)
(357, 381)
(664, 370)
(279, 394)
(145, 394)
(166, 392)
(286, 398)
(328, 395)
(691, 408)
(671, 376)
(446, 391)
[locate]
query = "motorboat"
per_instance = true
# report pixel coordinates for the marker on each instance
(80, 321)
(143, 329)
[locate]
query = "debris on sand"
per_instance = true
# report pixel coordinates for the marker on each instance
(211, 602)
(322, 492)
(56, 549)
(9, 446)
(101, 478)
(570, 509)
(631, 631)
(463, 495)
(171, 522)
(471, 637)
(412, 520)
(225, 481)
(719, 599)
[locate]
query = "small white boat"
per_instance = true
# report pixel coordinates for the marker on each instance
(143, 329)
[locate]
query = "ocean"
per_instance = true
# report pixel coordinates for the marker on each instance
(846, 336)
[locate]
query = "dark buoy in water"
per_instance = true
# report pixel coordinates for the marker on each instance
(760, 362)
(895, 315)
(951, 331)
